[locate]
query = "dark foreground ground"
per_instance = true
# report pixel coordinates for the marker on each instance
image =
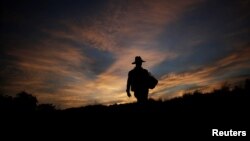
(193, 115)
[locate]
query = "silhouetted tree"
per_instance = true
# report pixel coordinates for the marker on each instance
(46, 108)
(6, 103)
(25, 102)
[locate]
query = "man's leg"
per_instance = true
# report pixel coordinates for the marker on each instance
(142, 96)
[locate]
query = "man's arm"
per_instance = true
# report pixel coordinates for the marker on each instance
(128, 85)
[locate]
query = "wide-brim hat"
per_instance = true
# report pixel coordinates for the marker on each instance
(138, 60)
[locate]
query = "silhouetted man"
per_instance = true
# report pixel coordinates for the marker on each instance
(137, 80)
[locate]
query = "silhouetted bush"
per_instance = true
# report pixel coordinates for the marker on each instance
(23, 102)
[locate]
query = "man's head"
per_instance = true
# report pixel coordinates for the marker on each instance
(138, 61)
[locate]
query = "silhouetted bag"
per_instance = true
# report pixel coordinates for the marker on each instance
(152, 81)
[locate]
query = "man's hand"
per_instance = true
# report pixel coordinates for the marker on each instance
(128, 93)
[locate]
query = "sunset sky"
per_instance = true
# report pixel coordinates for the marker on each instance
(78, 52)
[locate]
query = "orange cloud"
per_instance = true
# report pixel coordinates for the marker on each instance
(125, 34)
(54, 71)
(204, 78)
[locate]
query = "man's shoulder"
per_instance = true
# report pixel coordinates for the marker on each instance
(136, 70)
(144, 70)
(131, 72)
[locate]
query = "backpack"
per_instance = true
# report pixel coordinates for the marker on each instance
(152, 81)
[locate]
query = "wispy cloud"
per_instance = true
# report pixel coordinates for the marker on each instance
(86, 60)
(124, 30)
(206, 78)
